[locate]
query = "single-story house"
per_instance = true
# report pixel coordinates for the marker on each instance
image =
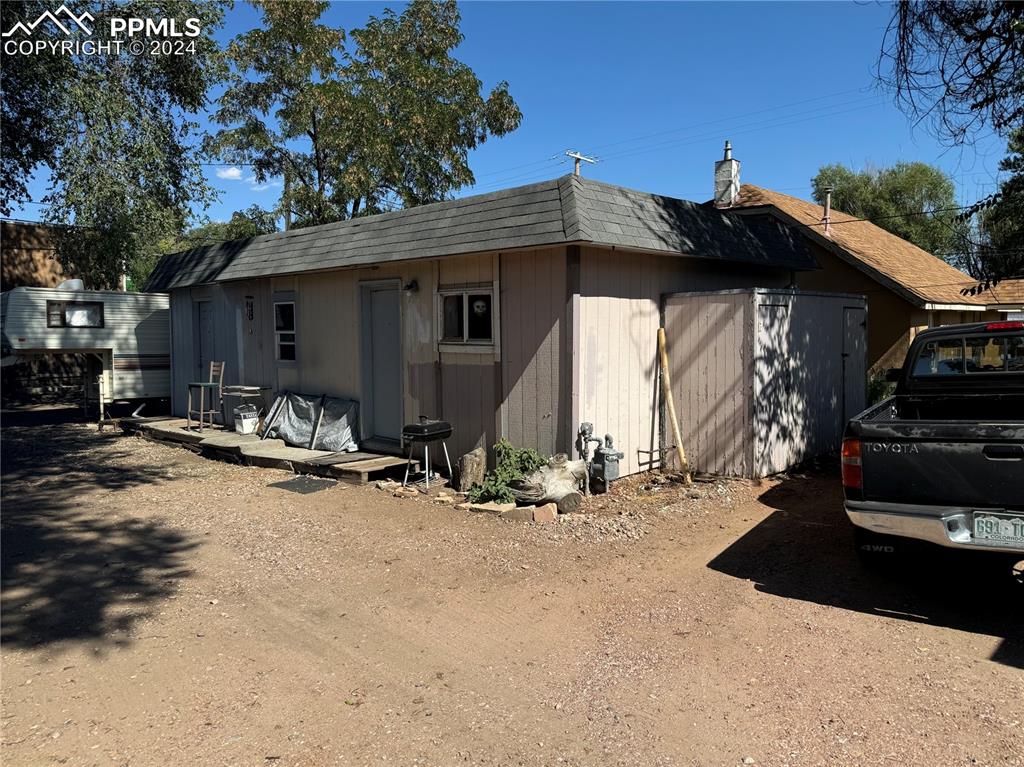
(517, 314)
(1005, 298)
(908, 289)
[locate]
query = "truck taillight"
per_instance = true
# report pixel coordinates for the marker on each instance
(1011, 325)
(852, 476)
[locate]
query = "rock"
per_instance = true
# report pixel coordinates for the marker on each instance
(491, 507)
(518, 513)
(472, 467)
(570, 503)
(462, 506)
(546, 513)
(388, 484)
(406, 492)
(749, 760)
(445, 499)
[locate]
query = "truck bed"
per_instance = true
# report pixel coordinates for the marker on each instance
(974, 459)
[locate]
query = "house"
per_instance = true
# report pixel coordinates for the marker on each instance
(1005, 299)
(517, 314)
(908, 289)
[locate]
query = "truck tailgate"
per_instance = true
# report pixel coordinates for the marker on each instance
(944, 463)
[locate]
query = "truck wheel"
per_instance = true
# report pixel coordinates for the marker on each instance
(877, 549)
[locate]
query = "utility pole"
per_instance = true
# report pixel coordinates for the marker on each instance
(577, 157)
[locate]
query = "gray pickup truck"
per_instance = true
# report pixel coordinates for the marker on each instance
(942, 460)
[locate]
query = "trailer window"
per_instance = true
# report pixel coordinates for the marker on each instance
(284, 329)
(74, 314)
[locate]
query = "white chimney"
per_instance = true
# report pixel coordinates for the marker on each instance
(826, 219)
(727, 179)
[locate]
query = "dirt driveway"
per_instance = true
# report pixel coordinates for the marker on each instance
(164, 609)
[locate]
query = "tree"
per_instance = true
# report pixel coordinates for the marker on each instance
(123, 154)
(957, 64)
(30, 105)
(356, 132)
(1000, 253)
(887, 195)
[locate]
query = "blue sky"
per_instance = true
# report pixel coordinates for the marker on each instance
(654, 89)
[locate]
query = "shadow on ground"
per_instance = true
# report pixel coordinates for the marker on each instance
(805, 550)
(70, 570)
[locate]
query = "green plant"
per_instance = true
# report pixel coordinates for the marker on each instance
(511, 463)
(879, 389)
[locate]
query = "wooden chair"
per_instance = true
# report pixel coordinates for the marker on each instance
(212, 390)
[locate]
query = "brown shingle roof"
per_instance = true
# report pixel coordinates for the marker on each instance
(1009, 292)
(917, 274)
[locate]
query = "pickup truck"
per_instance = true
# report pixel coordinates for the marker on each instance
(942, 460)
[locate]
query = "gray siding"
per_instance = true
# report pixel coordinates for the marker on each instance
(184, 364)
(711, 365)
(534, 375)
(758, 377)
(616, 376)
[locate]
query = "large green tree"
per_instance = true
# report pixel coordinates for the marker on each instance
(31, 104)
(123, 147)
(911, 199)
(355, 129)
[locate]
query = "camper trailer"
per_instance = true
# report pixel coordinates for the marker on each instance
(125, 337)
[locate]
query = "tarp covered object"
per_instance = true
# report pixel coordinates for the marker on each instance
(293, 417)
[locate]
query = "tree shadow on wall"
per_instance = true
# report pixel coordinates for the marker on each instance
(71, 571)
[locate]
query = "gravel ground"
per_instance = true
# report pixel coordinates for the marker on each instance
(160, 608)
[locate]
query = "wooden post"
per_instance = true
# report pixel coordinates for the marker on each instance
(666, 387)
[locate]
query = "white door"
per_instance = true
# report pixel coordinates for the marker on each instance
(854, 353)
(382, 357)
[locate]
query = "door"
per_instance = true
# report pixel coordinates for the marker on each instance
(854, 373)
(204, 333)
(382, 361)
(773, 390)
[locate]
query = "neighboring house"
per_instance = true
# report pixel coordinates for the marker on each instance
(27, 256)
(1005, 297)
(908, 289)
(515, 314)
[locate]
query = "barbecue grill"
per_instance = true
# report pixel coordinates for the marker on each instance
(426, 431)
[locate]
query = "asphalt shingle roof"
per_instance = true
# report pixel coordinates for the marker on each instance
(560, 211)
(920, 276)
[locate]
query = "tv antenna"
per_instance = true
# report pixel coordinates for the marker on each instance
(578, 157)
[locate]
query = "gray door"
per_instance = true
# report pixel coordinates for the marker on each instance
(204, 338)
(854, 373)
(382, 344)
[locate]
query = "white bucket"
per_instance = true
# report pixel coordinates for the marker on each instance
(247, 419)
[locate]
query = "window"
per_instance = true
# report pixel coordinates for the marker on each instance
(974, 354)
(467, 317)
(74, 314)
(940, 358)
(284, 329)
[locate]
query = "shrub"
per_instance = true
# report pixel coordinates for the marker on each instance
(879, 389)
(510, 463)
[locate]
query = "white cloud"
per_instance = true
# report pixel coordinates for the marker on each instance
(231, 173)
(257, 187)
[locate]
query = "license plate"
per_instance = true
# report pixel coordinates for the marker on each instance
(999, 528)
